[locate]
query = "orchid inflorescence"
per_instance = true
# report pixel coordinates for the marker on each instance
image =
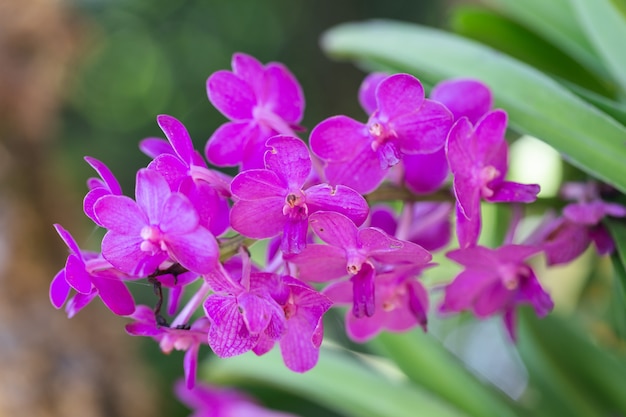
(332, 236)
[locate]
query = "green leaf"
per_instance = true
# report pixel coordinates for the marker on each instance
(581, 376)
(605, 27)
(427, 363)
(537, 105)
(339, 381)
(508, 36)
(556, 21)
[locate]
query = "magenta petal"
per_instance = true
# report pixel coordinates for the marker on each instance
(171, 168)
(114, 294)
(90, 201)
(255, 312)
(490, 134)
(76, 275)
(179, 215)
(461, 293)
(334, 229)
(190, 365)
(336, 138)
(387, 249)
(178, 136)
(464, 97)
(493, 298)
(477, 257)
(258, 184)
(59, 290)
(425, 131)
(154, 147)
(289, 158)
(67, 239)
(196, 251)
(231, 95)
(532, 292)
(567, 241)
(228, 335)
(593, 212)
(418, 303)
(340, 199)
(284, 94)
(363, 173)
(397, 94)
(258, 219)
(367, 91)
(225, 146)
(383, 217)
(603, 240)
(151, 192)
(78, 302)
(363, 291)
(298, 351)
(468, 230)
(124, 252)
(508, 192)
(294, 235)
(362, 329)
(424, 174)
(248, 69)
(120, 214)
(106, 175)
(319, 263)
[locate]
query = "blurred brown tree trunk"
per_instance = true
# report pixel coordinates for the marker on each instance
(49, 365)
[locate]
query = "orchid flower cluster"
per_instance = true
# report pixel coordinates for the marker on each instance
(352, 220)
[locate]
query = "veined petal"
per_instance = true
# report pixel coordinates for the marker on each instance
(255, 311)
(468, 229)
(120, 214)
(299, 352)
(151, 191)
(228, 334)
(190, 365)
(178, 215)
(367, 91)
(258, 219)
(399, 94)
(466, 287)
(284, 95)
(423, 131)
(459, 147)
(114, 293)
(68, 239)
(464, 97)
(89, 202)
(171, 168)
(225, 146)
(231, 95)
(340, 199)
(337, 138)
(258, 184)
(178, 136)
(294, 235)
(196, 251)
(334, 229)
(154, 147)
(319, 263)
(59, 289)
(289, 158)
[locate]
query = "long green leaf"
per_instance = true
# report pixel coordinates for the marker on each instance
(536, 104)
(605, 27)
(427, 363)
(556, 21)
(338, 381)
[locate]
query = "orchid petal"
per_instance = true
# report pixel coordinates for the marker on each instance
(337, 138)
(231, 95)
(120, 214)
(258, 219)
(399, 94)
(340, 199)
(114, 293)
(59, 290)
(289, 158)
(464, 97)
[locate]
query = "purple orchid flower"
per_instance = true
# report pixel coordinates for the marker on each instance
(565, 238)
(243, 311)
(272, 200)
(404, 123)
(188, 338)
(304, 308)
(261, 101)
(495, 281)
(161, 226)
(89, 275)
(478, 161)
(209, 401)
(401, 304)
(353, 252)
(185, 171)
